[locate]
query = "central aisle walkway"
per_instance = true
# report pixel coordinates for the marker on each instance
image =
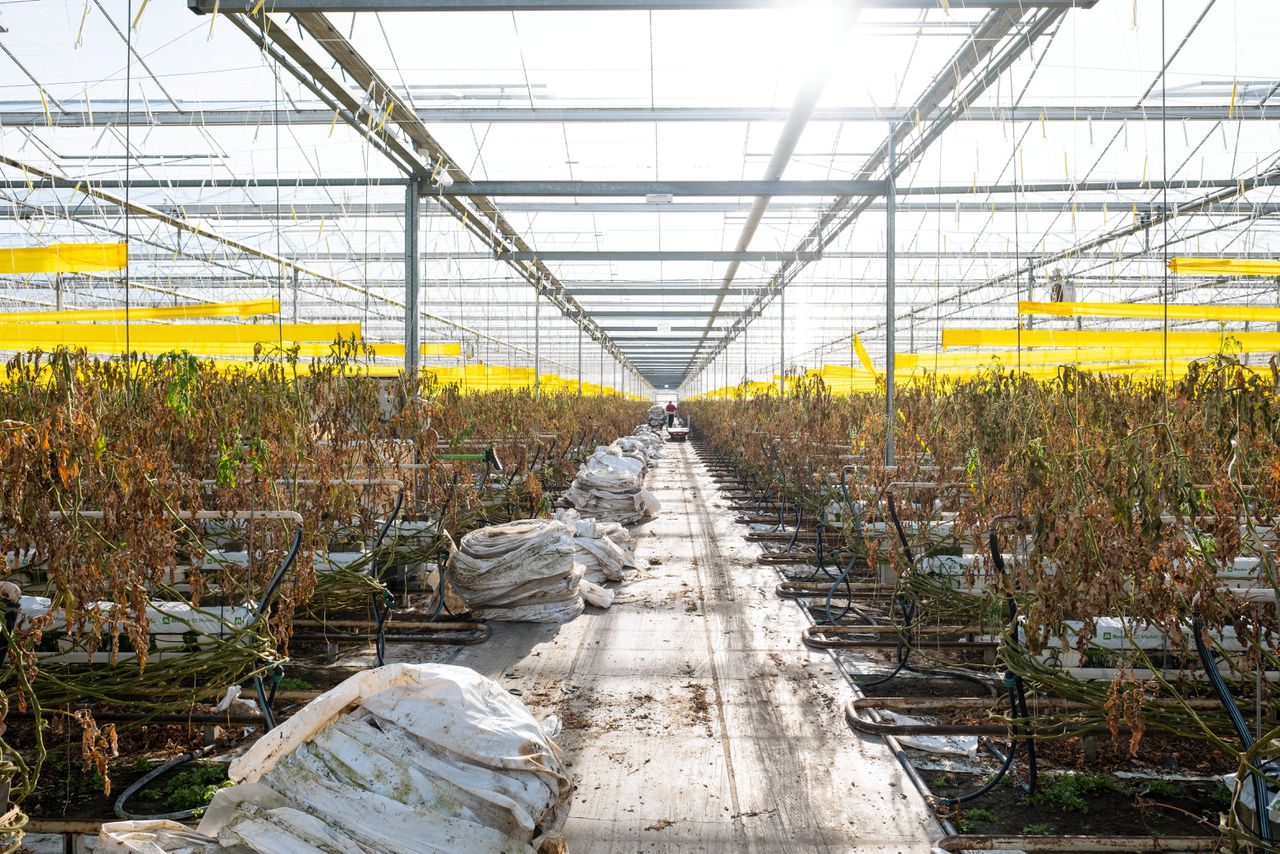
(694, 718)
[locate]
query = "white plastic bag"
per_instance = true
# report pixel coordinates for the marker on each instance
(596, 595)
(152, 837)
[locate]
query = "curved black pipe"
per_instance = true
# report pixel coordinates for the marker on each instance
(1261, 810)
(843, 579)
(268, 719)
(795, 536)
(143, 781)
(1018, 709)
(897, 524)
(274, 584)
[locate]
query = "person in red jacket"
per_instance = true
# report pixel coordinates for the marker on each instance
(671, 414)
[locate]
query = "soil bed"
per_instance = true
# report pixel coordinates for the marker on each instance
(1083, 804)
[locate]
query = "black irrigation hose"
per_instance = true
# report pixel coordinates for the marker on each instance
(902, 534)
(843, 579)
(1018, 709)
(268, 718)
(381, 600)
(272, 586)
(903, 650)
(986, 787)
(795, 536)
(143, 781)
(381, 614)
(277, 675)
(844, 488)
(1261, 804)
(908, 609)
(820, 527)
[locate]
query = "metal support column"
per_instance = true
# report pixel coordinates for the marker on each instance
(537, 341)
(890, 309)
(579, 357)
(782, 342)
(57, 291)
(412, 279)
(295, 296)
(600, 382)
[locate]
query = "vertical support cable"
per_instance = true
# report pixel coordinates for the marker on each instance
(890, 257)
(412, 279)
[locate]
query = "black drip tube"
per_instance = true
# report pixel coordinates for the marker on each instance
(1017, 701)
(1261, 804)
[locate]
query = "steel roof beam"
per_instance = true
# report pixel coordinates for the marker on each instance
(663, 188)
(72, 183)
(586, 255)
(34, 117)
(628, 188)
(203, 7)
(265, 210)
(661, 255)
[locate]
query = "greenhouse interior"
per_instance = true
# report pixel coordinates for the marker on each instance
(564, 426)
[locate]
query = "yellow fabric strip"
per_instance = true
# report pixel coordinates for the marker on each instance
(435, 348)
(863, 356)
(19, 336)
(1010, 358)
(1224, 266)
(1069, 338)
(1153, 311)
(249, 308)
(267, 349)
(64, 258)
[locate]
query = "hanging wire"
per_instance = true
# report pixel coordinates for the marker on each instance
(128, 161)
(275, 123)
(1017, 247)
(1164, 168)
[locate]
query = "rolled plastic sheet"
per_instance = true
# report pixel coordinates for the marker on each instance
(1006, 339)
(433, 348)
(26, 336)
(64, 258)
(1153, 311)
(1224, 266)
(250, 308)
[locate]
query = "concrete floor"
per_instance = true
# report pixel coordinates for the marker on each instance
(694, 718)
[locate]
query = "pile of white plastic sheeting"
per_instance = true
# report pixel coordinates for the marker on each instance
(404, 759)
(636, 449)
(603, 549)
(648, 439)
(610, 487)
(521, 571)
